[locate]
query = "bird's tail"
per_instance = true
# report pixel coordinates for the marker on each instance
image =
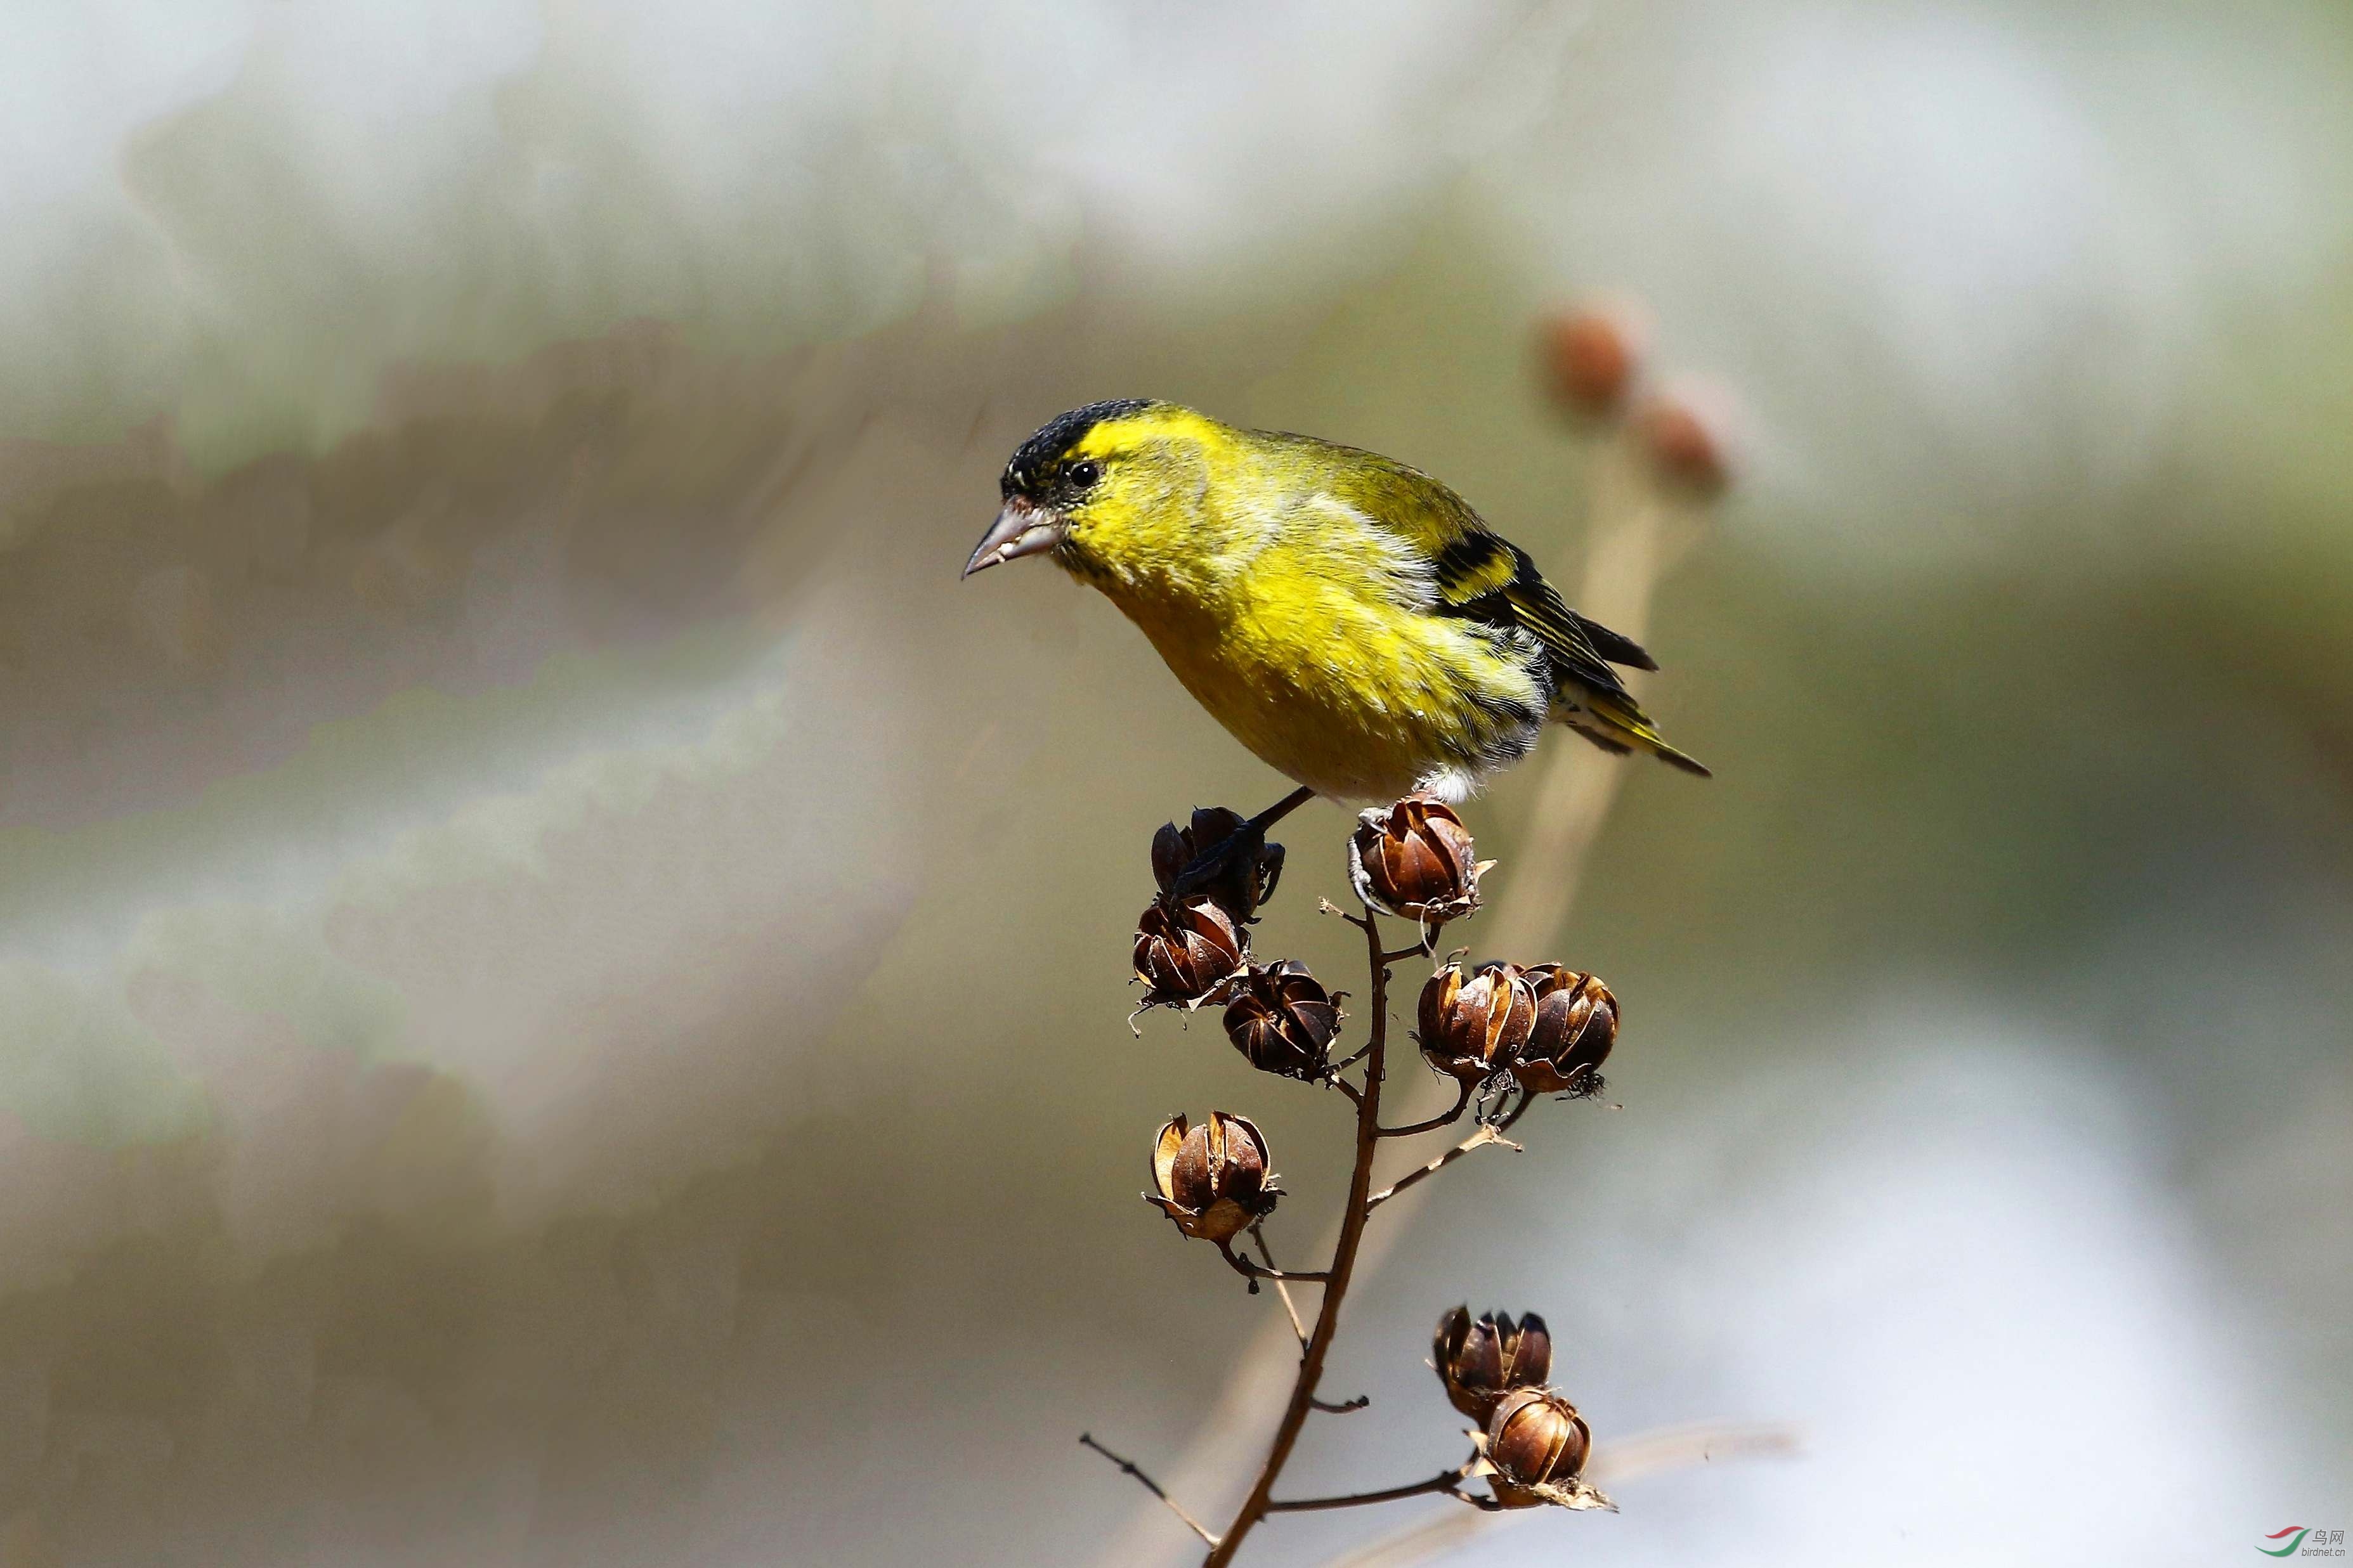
(1615, 722)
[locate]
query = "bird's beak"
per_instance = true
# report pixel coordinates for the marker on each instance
(1019, 529)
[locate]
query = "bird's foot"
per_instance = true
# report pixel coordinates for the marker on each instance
(1222, 855)
(1240, 869)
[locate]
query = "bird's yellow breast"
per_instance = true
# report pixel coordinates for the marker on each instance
(1302, 650)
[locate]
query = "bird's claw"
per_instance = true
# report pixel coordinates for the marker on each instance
(1241, 856)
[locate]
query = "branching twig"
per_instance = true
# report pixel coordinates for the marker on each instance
(1445, 1118)
(1489, 1132)
(1645, 1453)
(1445, 1481)
(1343, 1263)
(1254, 1272)
(1087, 1440)
(1289, 1308)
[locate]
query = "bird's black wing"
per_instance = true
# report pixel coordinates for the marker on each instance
(1480, 575)
(1487, 578)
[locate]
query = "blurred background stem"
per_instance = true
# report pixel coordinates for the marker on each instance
(1640, 533)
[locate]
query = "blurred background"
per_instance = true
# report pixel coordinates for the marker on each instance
(563, 987)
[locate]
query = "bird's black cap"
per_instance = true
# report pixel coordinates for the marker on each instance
(1035, 463)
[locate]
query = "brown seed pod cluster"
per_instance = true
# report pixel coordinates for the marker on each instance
(1545, 1028)
(1185, 952)
(1283, 1021)
(1534, 1452)
(1576, 1025)
(1549, 1027)
(1414, 859)
(1685, 445)
(1191, 946)
(1532, 1445)
(1481, 1360)
(1471, 1029)
(1212, 1180)
(1591, 357)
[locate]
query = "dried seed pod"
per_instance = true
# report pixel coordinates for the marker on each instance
(1414, 859)
(1479, 1361)
(1685, 445)
(1472, 1029)
(1576, 1023)
(1212, 1179)
(1533, 1451)
(1591, 357)
(1185, 955)
(1283, 1021)
(1243, 882)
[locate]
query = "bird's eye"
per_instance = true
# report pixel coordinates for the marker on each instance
(1084, 474)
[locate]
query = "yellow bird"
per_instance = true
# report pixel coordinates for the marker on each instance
(1350, 619)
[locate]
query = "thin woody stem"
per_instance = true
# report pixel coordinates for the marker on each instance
(1445, 1118)
(1254, 1272)
(1643, 1453)
(1299, 1329)
(1446, 1481)
(1343, 1263)
(1282, 1288)
(1087, 1440)
(1489, 1132)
